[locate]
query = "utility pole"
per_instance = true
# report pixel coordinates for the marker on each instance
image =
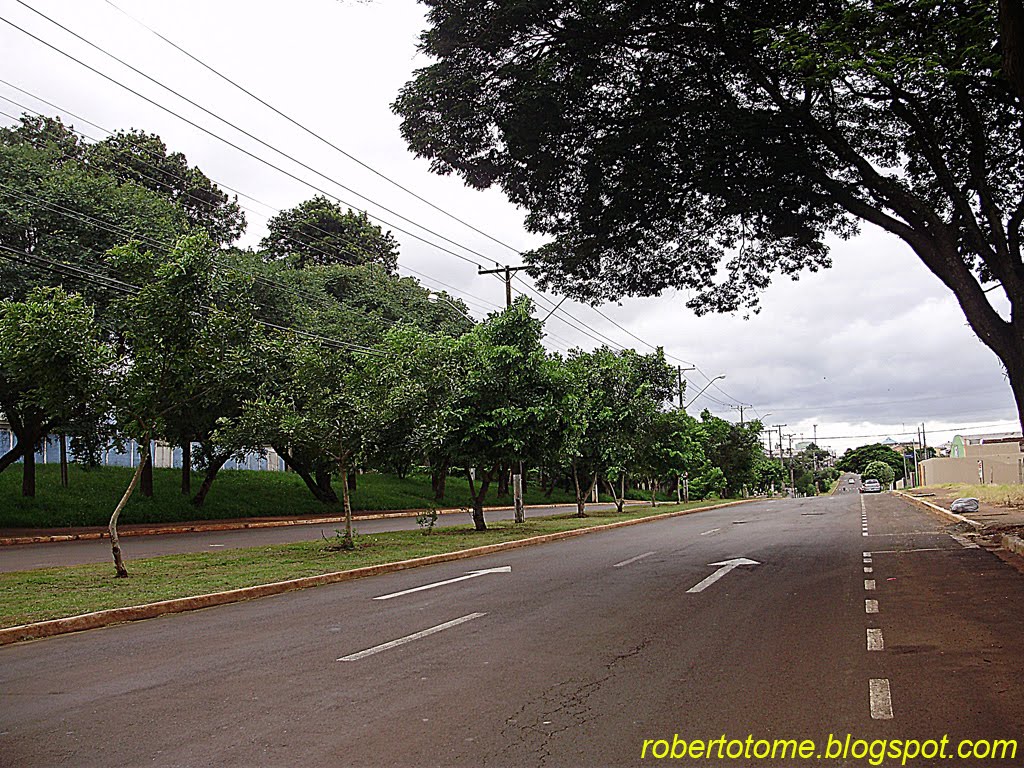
(792, 476)
(517, 477)
(916, 444)
(779, 427)
(924, 441)
(739, 408)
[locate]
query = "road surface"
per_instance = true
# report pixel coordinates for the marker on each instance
(23, 557)
(862, 616)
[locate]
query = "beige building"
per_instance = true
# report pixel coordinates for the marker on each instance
(986, 459)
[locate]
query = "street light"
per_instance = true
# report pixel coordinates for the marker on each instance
(719, 376)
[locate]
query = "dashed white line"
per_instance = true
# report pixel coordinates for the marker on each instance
(867, 554)
(633, 559)
(410, 638)
(869, 584)
(875, 640)
(881, 700)
(868, 569)
(870, 606)
(711, 531)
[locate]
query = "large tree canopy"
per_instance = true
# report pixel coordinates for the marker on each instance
(713, 145)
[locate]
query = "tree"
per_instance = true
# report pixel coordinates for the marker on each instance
(55, 207)
(319, 232)
(857, 459)
(143, 159)
(672, 446)
(614, 400)
(733, 448)
(54, 370)
(507, 406)
(880, 471)
(664, 145)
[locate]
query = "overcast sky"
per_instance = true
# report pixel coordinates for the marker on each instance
(868, 349)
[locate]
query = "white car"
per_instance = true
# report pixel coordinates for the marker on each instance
(871, 486)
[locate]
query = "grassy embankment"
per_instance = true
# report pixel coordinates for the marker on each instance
(1004, 495)
(92, 495)
(49, 593)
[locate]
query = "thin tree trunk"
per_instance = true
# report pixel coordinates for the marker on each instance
(619, 501)
(115, 542)
(146, 483)
(439, 479)
(478, 499)
(350, 481)
(28, 472)
(503, 480)
(654, 494)
(581, 502)
(63, 460)
(208, 478)
(323, 482)
(186, 470)
(347, 501)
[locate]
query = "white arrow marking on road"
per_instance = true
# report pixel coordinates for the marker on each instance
(470, 575)
(726, 566)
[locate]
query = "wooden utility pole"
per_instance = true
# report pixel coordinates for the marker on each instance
(682, 387)
(517, 477)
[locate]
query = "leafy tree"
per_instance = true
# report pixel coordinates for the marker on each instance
(672, 447)
(733, 448)
(174, 324)
(142, 159)
(857, 459)
(54, 206)
(614, 400)
(54, 370)
(319, 232)
(507, 410)
(665, 145)
(880, 471)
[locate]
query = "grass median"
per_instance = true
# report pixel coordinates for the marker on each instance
(51, 593)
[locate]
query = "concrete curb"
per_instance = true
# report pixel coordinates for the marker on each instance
(41, 629)
(927, 505)
(172, 528)
(1013, 543)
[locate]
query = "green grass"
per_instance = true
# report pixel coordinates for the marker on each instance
(1003, 495)
(93, 493)
(49, 593)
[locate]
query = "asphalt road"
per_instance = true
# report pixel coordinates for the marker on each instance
(23, 557)
(584, 650)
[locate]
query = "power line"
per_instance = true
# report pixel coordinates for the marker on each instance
(309, 131)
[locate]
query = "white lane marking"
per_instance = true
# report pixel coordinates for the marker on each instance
(870, 606)
(410, 638)
(216, 545)
(726, 566)
(963, 541)
(863, 509)
(864, 533)
(711, 531)
(881, 700)
(869, 584)
(868, 569)
(875, 641)
(867, 554)
(633, 559)
(470, 575)
(907, 551)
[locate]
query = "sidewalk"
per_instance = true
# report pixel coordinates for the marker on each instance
(993, 518)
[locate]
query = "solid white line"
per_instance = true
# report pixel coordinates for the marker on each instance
(881, 701)
(711, 531)
(633, 559)
(868, 569)
(870, 606)
(875, 641)
(869, 584)
(410, 638)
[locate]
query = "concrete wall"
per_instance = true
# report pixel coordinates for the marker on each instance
(998, 469)
(993, 449)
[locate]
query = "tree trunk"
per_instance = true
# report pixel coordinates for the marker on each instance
(327, 493)
(208, 478)
(619, 501)
(503, 480)
(28, 471)
(115, 543)
(12, 455)
(581, 501)
(478, 499)
(63, 460)
(306, 473)
(146, 481)
(186, 471)
(350, 482)
(439, 479)
(654, 493)
(347, 500)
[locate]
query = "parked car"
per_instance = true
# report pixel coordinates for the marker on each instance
(852, 480)
(871, 486)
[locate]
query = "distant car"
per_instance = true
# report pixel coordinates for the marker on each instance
(852, 480)
(871, 486)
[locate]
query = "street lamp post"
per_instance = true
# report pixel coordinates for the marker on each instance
(712, 381)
